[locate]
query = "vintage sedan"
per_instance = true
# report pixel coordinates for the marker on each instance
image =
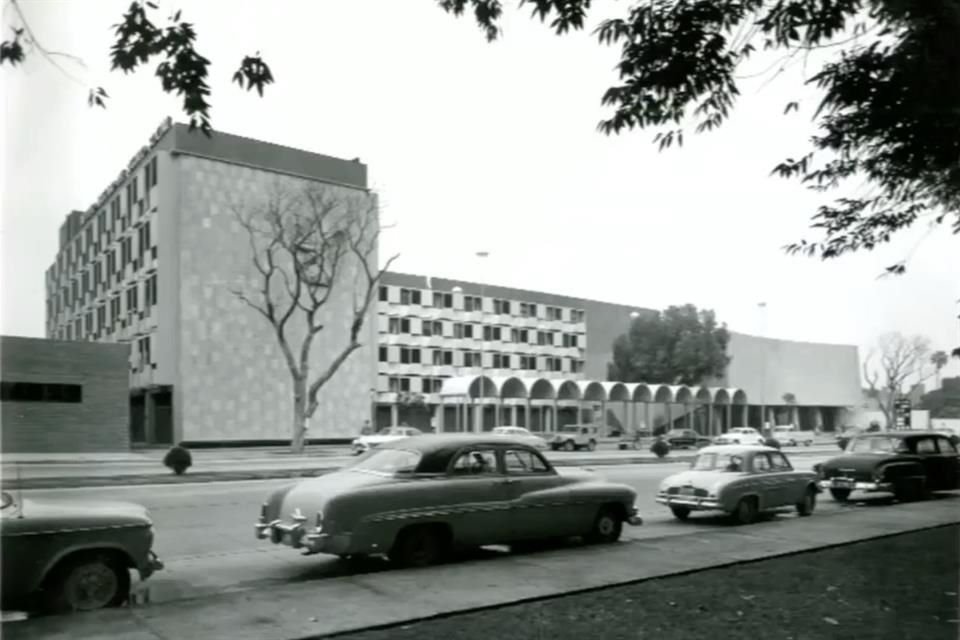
(740, 480)
(685, 438)
(75, 555)
(522, 434)
(908, 464)
(387, 434)
(417, 499)
(740, 435)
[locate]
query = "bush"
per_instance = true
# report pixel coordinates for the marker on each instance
(178, 459)
(660, 448)
(772, 442)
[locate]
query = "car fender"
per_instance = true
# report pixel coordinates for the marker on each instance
(81, 547)
(903, 469)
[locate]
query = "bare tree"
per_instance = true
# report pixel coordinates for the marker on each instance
(901, 359)
(939, 360)
(303, 246)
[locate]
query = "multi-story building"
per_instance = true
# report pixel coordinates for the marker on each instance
(433, 331)
(155, 262)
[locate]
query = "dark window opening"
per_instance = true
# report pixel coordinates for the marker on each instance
(40, 392)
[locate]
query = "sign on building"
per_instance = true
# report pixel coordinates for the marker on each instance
(902, 409)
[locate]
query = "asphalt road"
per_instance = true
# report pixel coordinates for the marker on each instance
(205, 531)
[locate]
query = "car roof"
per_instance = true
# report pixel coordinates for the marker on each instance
(906, 433)
(436, 449)
(737, 448)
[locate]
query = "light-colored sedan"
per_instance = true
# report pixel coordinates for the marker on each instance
(387, 434)
(417, 499)
(740, 435)
(523, 435)
(740, 480)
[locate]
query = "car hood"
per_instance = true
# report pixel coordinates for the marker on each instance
(314, 494)
(699, 479)
(80, 514)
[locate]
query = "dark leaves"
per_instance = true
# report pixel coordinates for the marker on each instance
(486, 12)
(12, 50)
(256, 73)
(97, 97)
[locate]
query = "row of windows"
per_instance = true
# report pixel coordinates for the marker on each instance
(40, 392)
(468, 358)
(96, 322)
(444, 300)
(113, 218)
(490, 333)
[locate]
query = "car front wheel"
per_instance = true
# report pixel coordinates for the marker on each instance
(607, 527)
(808, 503)
(746, 511)
(569, 445)
(88, 582)
(680, 513)
(840, 495)
(592, 445)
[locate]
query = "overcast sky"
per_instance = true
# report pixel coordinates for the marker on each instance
(475, 146)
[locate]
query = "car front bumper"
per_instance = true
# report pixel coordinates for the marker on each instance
(151, 566)
(691, 502)
(855, 485)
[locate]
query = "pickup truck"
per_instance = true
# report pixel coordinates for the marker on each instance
(790, 435)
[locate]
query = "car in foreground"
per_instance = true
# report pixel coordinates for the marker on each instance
(416, 500)
(73, 556)
(387, 434)
(573, 437)
(685, 438)
(521, 434)
(739, 480)
(740, 435)
(908, 464)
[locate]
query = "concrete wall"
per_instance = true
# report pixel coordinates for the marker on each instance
(99, 423)
(233, 382)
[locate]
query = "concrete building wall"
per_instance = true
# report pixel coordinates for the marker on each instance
(97, 423)
(233, 382)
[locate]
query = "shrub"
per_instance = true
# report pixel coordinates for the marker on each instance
(660, 448)
(772, 442)
(178, 459)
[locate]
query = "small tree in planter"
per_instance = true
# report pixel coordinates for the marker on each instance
(660, 448)
(178, 459)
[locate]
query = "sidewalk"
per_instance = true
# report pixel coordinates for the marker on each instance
(337, 605)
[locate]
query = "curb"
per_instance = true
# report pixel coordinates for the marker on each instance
(624, 583)
(63, 482)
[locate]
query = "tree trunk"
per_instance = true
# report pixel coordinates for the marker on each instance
(298, 439)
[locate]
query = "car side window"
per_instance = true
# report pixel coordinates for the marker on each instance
(926, 445)
(523, 462)
(761, 463)
(780, 462)
(946, 446)
(475, 462)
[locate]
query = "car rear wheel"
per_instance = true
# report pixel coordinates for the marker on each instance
(746, 511)
(808, 503)
(592, 445)
(569, 445)
(607, 527)
(87, 582)
(840, 495)
(680, 513)
(418, 547)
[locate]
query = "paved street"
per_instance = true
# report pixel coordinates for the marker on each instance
(205, 531)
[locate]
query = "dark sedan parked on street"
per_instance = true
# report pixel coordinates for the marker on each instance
(908, 464)
(680, 438)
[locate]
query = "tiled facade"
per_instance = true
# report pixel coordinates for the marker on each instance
(76, 398)
(153, 264)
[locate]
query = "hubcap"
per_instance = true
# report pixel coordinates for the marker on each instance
(91, 586)
(606, 526)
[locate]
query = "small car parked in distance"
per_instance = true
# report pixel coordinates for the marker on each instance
(521, 434)
(740, 435)
(908, 464)
(77, 555)
(573, 437)
(387, 434)
(789, 435)
(417, 499)
(682, 438)
(740, 480)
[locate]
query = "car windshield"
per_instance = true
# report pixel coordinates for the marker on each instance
(391, 431)
(732, 462)
(387, 461)
(877, 444)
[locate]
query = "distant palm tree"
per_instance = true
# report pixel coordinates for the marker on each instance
(939, 360)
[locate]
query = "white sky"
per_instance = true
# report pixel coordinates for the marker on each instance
(475, 146)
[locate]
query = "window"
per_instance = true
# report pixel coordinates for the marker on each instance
(132, 298)
(477, 462)
(472, 303)
(101, 221)
(398, 385)
(522, 462)
(150, 173)
(383, 354)
(528, 310)
(78, 329)
(97, 273)
(143, 348)
(88, 323)
(519, 335)
(384, 293)
(462, 330)
(779, 462)
(143, 238)
(399, 325)
(432, 328)
(114, 213)
(40, 392)
(88, 237)
(126, 251)
(554, 313)
(554, 364)
(545, 338)
(409, 296)
(111, 263)
(528, 363)
(569, 340)
(761, 463)
(86, 282)
(409, 355)
(444, 300)
(946, 446)
(926, 445)
(501, 306)
(576, 366)
(114, 309)
(577, 315)
(491, 333)
(150, 292)
(501, 361)
(101, 317)
(471, 359)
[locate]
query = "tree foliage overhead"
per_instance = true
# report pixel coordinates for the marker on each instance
(889, 117)
(680, 345)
